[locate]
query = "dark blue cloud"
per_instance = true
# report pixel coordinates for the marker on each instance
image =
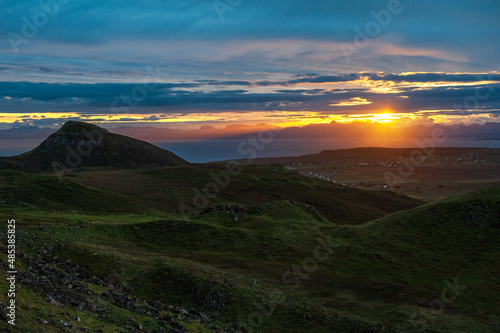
(107, 98)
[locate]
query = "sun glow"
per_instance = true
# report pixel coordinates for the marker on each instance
(278, 119)
(384, 117)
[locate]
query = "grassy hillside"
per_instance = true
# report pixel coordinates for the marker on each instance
(45, 192)
(273, 253)
(166, 188)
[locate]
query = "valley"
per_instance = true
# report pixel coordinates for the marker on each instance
(274, 249)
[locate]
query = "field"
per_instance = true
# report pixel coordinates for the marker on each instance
(424, 174)
(109, 250)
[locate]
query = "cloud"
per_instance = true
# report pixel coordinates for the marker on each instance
(388, 77)
(259, 37)
(434, 77)
(92, 57)
(108, 98)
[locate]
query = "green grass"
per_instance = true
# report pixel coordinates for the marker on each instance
(51, 193)
(381, 270)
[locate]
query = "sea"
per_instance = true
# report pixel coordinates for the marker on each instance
(224, 149)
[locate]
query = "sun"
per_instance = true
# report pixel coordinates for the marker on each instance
(384, 117)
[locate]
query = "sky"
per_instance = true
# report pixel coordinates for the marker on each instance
(186, 64)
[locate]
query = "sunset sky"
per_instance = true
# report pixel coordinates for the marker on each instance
(184, 64)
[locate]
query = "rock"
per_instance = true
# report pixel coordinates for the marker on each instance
(204, 318)
(158, 305)
(54, 302)
(63, 286)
